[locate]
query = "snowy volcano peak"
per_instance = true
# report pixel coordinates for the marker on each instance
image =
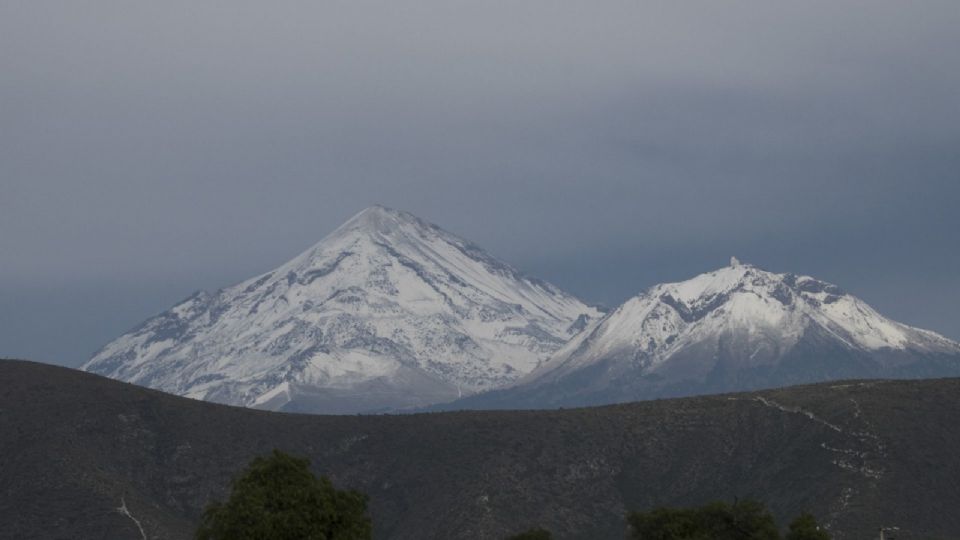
(380, 221)
(375, 225)
(420, 245)
(387, 311)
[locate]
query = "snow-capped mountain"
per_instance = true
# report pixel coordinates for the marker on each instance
(737, 328)
(386, 312)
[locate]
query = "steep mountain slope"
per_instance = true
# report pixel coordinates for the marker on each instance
(386, 312)
(737, 328)
(78, 447)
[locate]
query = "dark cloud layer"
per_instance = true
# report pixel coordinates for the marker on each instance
(151, 149)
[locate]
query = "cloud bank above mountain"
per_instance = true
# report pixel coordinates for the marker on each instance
(150, 150)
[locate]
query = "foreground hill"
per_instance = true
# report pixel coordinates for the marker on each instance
(76, 447)
(737, 328)
(386, 312)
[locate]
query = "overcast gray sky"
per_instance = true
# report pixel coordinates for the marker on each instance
(149, 149)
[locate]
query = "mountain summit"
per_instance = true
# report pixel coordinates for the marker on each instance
(386, 312)
(736, 328)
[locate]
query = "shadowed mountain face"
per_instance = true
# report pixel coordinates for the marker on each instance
(386, 312)
(737, 328)
(859, 455)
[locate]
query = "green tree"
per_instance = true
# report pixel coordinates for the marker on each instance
(278, 498)
(805, 527)
(742, 520)
(532, 534)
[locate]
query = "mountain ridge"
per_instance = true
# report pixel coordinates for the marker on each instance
(732, 329)
(390, 312)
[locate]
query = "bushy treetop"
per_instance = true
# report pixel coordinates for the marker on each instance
(278, 498)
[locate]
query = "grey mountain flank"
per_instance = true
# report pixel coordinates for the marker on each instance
(858, 454)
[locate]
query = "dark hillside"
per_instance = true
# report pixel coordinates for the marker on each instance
(859, 455)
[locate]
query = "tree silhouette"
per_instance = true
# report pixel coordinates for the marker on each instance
(278, 498)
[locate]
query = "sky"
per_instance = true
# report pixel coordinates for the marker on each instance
(151, 149)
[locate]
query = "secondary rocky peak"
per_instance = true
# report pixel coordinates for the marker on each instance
(710, 285)
(734, 328)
